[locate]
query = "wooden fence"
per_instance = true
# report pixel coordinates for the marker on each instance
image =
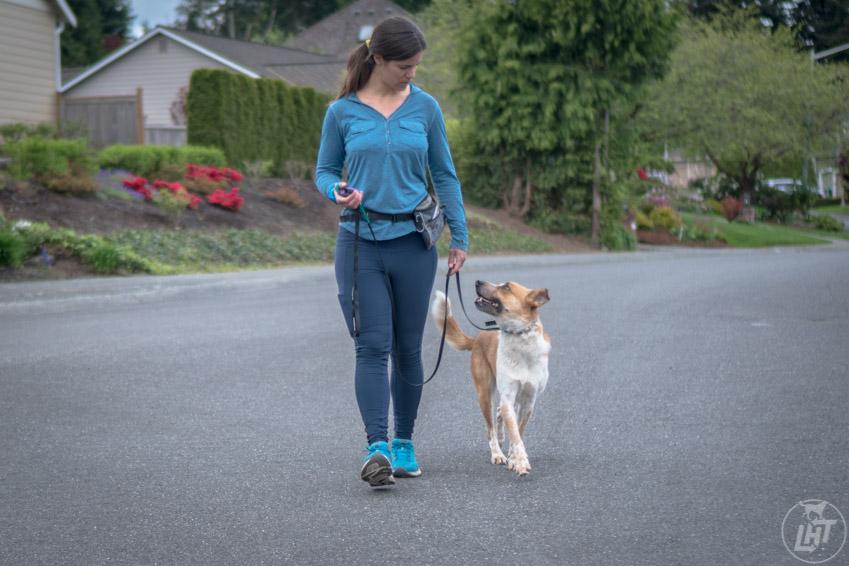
(105, 120)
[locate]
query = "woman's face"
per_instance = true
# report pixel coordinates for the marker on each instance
(397, 75)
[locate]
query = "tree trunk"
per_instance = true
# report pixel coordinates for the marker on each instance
(596, 230)
(529, 189)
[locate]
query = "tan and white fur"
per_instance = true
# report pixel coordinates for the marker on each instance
(509, 367)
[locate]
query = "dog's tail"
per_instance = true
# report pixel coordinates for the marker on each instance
(453, 335)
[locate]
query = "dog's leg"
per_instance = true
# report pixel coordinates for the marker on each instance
(484, 389)
(526, 409)
(499, 422)
(517, 459)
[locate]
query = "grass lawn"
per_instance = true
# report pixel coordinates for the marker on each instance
(833, 209)
(741, 235)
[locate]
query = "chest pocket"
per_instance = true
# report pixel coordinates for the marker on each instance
(361, 127)
(413, 134)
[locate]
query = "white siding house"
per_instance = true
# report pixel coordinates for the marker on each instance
(160, 65)
(29, 58)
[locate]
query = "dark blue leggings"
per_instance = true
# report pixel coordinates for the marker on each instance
(410, 268)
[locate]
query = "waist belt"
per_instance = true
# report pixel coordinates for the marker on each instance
(349, 215)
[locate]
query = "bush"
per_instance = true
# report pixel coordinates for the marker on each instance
(615, 236)
(287, 196)
(666, 218)
(643, 221)
(254, 119)
(39, 158)
(12, 248)
(560, 222)
(19, 131)
(714, 206)
(828, 223)
(71, 184)
(731, 208)
(149, 160)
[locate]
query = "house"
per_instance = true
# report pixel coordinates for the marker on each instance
(30, 58)
(340, 32)
(157, 67)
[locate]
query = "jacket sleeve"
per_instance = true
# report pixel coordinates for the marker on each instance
(331, 155)
(445, 180)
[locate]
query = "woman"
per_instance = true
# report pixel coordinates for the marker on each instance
(388, 132)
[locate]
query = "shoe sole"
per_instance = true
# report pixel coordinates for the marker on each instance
(402, 473)
(377, 471)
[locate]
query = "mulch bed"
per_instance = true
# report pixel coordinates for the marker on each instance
(664, 238)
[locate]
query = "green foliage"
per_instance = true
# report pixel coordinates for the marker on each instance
(827, 223)
(148, 160)
(779, 205)
(545, 82)
(643, 221)
(173, 204)
(12, 248)
(19, 130)
(42, 158)
(99, 22)
(664, 217)
(744, 235)
(254, 119)
(98, 252)
(747, 98)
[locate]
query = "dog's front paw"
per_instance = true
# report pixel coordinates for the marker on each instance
(519, 465)
(498, 458)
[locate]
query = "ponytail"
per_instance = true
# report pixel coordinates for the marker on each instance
(360, 65)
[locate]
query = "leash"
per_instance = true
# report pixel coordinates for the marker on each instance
(491, 324)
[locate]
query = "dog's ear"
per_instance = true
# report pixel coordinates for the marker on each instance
(537, 297)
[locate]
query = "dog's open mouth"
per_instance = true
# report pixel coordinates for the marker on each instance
(492, 306)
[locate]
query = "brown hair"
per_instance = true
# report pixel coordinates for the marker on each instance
(394, 39)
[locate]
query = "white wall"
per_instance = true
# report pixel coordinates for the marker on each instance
(159, 73)
(27, 61)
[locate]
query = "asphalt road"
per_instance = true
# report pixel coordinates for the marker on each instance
(694, 398)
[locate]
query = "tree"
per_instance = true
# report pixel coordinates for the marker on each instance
(257, 20)
(541, 77)
(822, 24)
(102, 26)
(747, 98)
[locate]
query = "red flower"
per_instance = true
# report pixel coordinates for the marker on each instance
(135, 183)
(232, 174)
(641, 173)
(173, 187)
(231, 201)
(194, 201)
(146, 193)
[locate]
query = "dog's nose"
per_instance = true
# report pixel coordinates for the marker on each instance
(478, 283)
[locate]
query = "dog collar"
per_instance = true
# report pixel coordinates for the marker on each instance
(520, 332)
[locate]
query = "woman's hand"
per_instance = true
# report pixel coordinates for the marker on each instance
(456, 259)
(353, 200)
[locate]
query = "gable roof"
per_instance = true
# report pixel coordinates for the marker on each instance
(255, 60)
(339, 32)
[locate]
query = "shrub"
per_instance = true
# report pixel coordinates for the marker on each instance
(12, 248)
(561, 222)
(149, 160)
(227, 200)
(38, 157)
(731, 208)
(828, 223)
(664, 217)
(173, 203)
(19, 131)
(204, 185)
(643, 221)
(71, 184)
(615, 236)
(714, 206)
(286, 195)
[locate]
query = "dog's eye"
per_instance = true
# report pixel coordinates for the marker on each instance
(505, 286)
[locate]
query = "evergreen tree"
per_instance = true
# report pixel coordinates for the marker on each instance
(102, 25)
(540, 78)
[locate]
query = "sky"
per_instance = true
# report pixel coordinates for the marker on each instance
(153, 12)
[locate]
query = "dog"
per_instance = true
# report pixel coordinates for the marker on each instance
(509, 366)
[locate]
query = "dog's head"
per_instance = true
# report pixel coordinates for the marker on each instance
(513, 305)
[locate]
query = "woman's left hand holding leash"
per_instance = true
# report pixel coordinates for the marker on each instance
(456, 259)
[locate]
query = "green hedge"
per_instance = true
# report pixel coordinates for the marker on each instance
(254, 119)
(147, 160)
(38, 157)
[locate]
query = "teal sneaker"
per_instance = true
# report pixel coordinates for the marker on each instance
(377, 466)
(404, 463)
